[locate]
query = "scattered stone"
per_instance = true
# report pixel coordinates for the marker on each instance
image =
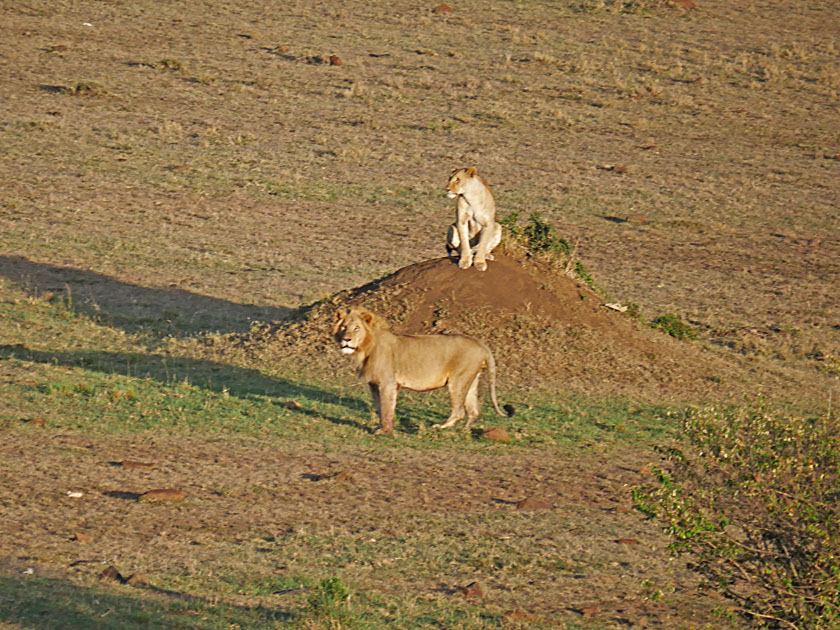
(75, 494)
(518, 616)
(531, 503)
(335, 60)
(163, 494)
(472, 590)
(496, 434)
(442, 9)
(615, 169)
(139, 465)
(138, 579)
(291, 404)
(57, 48)
(110, 573)
(685, 4)
(589, 611)
(36, 422)
(627, 541)
(82, 538)
(636, 218)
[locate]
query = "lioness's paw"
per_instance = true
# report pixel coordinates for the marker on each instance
(465, 263)
(381, 431)
(481, 265)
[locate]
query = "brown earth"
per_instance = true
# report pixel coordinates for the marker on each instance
(585, 548)
(547, 329)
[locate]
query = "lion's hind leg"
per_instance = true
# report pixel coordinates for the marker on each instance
(472, 403)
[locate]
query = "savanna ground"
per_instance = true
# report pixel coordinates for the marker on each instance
(173, 174)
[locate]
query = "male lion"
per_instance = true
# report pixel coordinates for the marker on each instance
(417, 362)
(475, 230)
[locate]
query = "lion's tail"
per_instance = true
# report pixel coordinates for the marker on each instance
(491, 377)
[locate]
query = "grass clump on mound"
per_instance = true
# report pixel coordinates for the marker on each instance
(539, 238)
(754, 495)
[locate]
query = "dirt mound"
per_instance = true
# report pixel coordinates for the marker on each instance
(547, 330)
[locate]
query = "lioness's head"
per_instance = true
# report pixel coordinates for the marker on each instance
(352, 328)
(460, 179)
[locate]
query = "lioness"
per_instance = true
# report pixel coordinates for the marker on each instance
(475, 230)
(417, 362)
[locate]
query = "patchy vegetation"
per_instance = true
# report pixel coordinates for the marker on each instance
(752, 495)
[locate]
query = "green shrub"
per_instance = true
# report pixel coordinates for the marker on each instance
(330, 601)
(674, 326)
(754, 496)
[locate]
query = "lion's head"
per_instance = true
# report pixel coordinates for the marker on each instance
(459, 181)
(353, 329)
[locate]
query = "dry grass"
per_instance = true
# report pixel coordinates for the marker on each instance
(172, 173)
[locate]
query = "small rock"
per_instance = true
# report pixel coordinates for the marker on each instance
(291, 404)
(442, 8)
(685, 4)
(636, 218)
(110, 573)
(472, 590)
(82, 538)
(36, 422)
(335, 60)
(496, 434)
(138, 579)
(75, 494)
(531, 503)
(627, 541)
(589, 611)
(163, 494)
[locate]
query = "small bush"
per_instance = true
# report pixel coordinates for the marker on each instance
(674, 326)
(755, 497)
(329, 601)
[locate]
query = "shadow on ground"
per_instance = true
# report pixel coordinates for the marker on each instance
(135, 309)
(218, 377)
(48, 603)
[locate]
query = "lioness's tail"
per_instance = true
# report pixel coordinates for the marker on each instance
(491, 376)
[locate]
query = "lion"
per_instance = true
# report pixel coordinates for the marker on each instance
(422, 363)
(475, 230)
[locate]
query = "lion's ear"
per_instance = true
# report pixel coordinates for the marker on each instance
(368, 317)
(471, 172)
(454, 170)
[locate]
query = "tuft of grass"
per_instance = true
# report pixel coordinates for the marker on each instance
(674, 326)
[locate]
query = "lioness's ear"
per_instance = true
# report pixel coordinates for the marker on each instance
(339, 315)
(454, 170)
(471, 172)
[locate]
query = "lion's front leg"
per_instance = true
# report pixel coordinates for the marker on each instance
(466, 259)
(386, 397)
(490, 237)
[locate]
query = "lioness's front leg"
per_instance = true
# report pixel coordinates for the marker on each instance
(489, 239)
(466, 252)
(386, 396)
